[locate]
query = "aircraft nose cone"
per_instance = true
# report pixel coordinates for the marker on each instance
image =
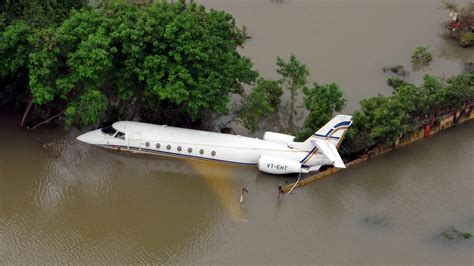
(88, 137)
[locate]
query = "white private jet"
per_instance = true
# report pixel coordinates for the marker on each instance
(275, 154)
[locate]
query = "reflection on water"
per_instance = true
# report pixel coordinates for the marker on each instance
(77, 203)
(64, 201)
(219, 178)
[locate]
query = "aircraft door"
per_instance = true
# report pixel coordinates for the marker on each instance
(135, 141)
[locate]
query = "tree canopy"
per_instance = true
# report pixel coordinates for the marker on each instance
(175, 63)
(176, 59)
(382, 120)
(294, 77)
(260, 104)
(321, 102)
(259, 108)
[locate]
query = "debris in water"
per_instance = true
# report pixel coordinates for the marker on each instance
(469, 67)
(396, 69)
(452, 233)
(244, 190)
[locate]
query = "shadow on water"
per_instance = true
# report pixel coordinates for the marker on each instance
(376, 222)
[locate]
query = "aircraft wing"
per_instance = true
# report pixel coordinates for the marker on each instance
(330, 151)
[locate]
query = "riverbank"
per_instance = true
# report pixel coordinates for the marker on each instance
(443, 122)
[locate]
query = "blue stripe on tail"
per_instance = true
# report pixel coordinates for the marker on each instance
(343, 123)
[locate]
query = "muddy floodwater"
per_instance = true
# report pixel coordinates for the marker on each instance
(346, 41)
(65, 201)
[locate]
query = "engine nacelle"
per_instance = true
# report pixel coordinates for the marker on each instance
(279, 166)
(278, 137)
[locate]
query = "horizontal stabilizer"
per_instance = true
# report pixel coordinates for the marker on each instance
(330, 151)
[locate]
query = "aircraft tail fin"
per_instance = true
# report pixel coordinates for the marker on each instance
(334, 130)
(326, 140)
(328, 149)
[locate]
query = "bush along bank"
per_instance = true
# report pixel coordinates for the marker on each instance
(442, 122)
(384, 123)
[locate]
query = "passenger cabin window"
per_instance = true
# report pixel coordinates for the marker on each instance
(109, 130)
(120, 135)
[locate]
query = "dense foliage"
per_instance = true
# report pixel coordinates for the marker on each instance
(37, 12)
(293, 79)
(20, 24)
(381, 120)
(175, 63)
(321, 102)
(168, 63)
(259, 108)
(260, 104)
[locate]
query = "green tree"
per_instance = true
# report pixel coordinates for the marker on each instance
(260, 105)
(21, 25)
(458, 92)
(396, 82)
(167, 63)
(293, 78)
(16, 42)
(37, 12)
(380, 120)
(321, 102)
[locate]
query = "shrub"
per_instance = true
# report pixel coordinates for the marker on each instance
(421, 57)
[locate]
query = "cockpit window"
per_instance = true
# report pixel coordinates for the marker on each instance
(120, 135)
(109, 130)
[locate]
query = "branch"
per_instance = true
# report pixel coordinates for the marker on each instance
(46, 121)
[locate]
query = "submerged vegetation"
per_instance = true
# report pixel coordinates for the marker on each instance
(421, 57)
(382, 120)
(259, 104)
(461, 24)
(452, 233)
(177, 64)
(396, 69)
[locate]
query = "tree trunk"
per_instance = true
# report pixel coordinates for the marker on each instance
(291, 125)
(158, 106)
(28, 107)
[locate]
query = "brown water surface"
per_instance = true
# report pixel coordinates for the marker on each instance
(346, 41)
(64, 201)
